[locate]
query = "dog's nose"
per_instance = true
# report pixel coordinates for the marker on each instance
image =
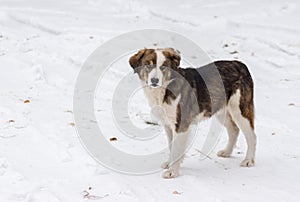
(154, 80)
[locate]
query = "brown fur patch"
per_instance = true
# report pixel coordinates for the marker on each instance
(172, 58)
(204, 83)
(143, 57)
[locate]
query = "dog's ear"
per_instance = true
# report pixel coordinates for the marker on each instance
(174, 55)
(134, 61)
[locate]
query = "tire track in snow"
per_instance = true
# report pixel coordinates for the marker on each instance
(277, 47)
(173, 20)
(25, 21)
(261, 27)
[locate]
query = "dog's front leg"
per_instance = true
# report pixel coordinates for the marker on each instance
(178, 148)
(169, 133)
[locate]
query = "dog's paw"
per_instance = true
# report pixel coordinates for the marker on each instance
(247, 163)
(165, 165)
(171, 173)
(224, 153)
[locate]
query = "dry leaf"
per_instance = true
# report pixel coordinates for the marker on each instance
(11, 121)
(68, 111)
(176, 192)
(26, 101)
(113, 139)
(291, 104)
(273, 133)
(87, 195)
(234, 52)
(72, 124)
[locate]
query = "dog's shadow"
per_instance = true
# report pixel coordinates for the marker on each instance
(214, 166)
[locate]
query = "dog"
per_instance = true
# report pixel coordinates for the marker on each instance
(189, 95)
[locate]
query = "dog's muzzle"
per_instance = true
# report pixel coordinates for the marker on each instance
(154, 82)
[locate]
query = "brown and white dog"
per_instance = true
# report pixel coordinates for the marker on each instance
(192, 94)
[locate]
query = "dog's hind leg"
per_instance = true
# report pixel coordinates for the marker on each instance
(245, 122)
(232, 130)
(178, 150)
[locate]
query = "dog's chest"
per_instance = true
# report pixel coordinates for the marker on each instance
(155, 96)
(166, 113)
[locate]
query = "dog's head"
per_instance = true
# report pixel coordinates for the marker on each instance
(155, 66)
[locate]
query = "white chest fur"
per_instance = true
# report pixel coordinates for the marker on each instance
(166, 113)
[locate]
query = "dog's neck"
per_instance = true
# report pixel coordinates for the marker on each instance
(155, 96)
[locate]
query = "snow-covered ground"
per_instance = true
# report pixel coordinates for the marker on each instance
(42, 47)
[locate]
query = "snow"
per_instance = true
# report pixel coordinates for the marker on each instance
(42, 47)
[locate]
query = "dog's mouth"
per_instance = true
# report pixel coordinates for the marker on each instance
(153, 85)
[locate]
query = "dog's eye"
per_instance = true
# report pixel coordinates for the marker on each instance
(163, 67)
(149, 66)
